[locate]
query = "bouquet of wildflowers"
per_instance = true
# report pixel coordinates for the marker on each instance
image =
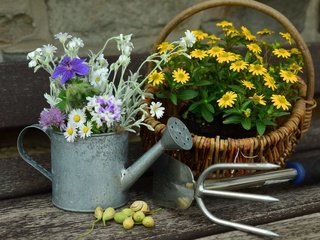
(239, 77)
(92, 96)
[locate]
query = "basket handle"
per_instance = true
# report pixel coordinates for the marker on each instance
(259, 7)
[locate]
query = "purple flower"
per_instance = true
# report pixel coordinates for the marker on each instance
(68, 68)
(110, 107)
(52, 117)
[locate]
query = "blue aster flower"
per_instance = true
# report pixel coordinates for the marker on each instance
(69, 67)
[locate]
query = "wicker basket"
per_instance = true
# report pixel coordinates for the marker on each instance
(273, 147)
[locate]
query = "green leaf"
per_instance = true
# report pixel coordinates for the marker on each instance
(232, 119)
(203, 83)
(206, 114)
(246, 123)
(261, 127)
(173, 98)
(280, 114)
(194, 105)
(209, 107)
(187, 94)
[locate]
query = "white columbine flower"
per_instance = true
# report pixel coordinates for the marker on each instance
(156, 109)
(49, 50)
(85, 130)
(188, 40)
(34, 56)
(62, 37)
(99, 77)
(76, 117)
(71, 132)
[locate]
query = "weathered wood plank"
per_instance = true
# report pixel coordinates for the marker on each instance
(304, 227)
(35, 218)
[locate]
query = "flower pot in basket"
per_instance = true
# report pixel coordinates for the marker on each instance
(241, 83)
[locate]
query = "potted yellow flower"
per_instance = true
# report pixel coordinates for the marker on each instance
(241, 78)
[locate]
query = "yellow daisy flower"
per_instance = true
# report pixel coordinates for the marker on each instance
(200, 35)
(247, 34)
(231, 32)
(265, 31)
(164, 47)
(224, 24)
(295, 68)
(156, 78)
(180, 76)
(255, 48)
(288, 76)
(258, 99)
(287, 37)
(257, 69)
(269, 82)
(238, 66)
(281, 52)
(215, 51)
(248, 84)
(295, 51)
(280, 101)
(227, 57)
(227, 100)
(214, 38)
(198, 53)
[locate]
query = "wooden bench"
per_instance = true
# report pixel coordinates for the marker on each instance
(26, 211)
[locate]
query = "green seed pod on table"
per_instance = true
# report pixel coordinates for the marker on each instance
(138, 216)
(128, 211)
(128, 223)
(98, 212)
(119, 217)
(108, 214)
(148, 222)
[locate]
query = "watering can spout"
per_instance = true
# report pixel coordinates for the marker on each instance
(176, 136)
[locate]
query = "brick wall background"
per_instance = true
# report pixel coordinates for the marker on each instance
(28, 24)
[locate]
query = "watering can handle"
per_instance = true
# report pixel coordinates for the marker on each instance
(27, 157)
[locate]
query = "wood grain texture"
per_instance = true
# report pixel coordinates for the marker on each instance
(304, 227)
(35, 217)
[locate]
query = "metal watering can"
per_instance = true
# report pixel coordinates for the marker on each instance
(92, 172)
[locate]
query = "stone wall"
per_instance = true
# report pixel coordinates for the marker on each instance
(28, 24)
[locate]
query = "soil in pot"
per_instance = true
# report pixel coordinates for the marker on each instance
(218, 128)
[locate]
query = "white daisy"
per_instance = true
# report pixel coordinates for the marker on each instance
(99, 77)
(71, 133)
(156, 109)
(77, 117)
(188, 40)
(85, 130)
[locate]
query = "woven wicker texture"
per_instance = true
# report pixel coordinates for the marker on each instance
(273, 147)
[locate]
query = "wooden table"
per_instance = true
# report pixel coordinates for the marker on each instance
(26, 211)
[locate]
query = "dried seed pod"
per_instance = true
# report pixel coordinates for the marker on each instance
(119, 217)
(183, 202)
(98, 212)
(140, 206)
(138, 216)
(148, 222)
(108, 214)
(128, 223)
(128, 211)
